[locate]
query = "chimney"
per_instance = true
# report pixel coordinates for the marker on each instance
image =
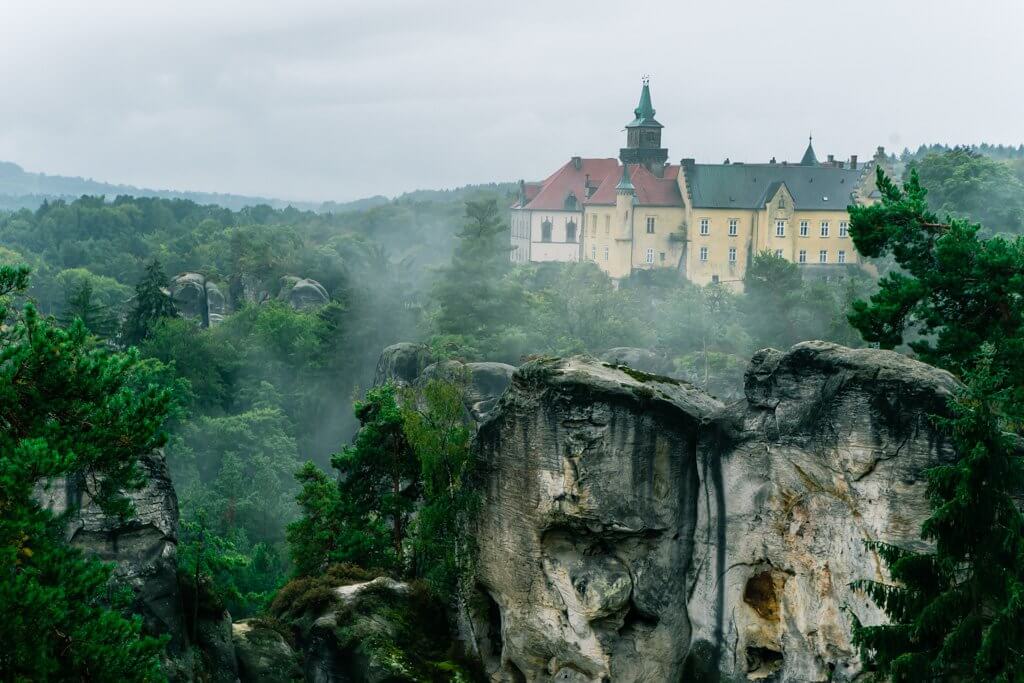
(772, 161)
(577, 163)
(831, 159)
(853, 161)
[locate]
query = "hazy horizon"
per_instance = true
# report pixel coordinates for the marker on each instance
(322, 101)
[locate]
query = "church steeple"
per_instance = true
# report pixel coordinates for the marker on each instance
(810, 158)
(643, 136)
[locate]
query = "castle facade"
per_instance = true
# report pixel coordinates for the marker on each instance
(706, 220)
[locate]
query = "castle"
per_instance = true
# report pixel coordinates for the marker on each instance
(706, 220)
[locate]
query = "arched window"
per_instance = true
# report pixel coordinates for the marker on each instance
(570, 231)
(545, 231)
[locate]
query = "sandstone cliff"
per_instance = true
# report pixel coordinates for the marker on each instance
(635, 529)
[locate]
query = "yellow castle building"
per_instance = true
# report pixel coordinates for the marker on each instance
(706, 220)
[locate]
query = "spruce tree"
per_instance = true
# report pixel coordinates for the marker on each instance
(81, 304)
(475, 300)
(69, 409)
(152, 302)
(957, 612)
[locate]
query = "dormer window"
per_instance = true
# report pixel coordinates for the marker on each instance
(782, 202)
(570, 201)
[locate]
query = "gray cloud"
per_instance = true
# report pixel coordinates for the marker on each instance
(328, 100)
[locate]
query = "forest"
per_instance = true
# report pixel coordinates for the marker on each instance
(284, 455)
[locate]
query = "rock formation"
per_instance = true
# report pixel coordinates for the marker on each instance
(644, 360)
(484, 382)
(144, 547)
(198, 298)
(402, 363)
(302, 293)
(634, 529)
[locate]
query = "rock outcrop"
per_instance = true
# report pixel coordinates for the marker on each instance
(264, 656)
(484, 382)
(302, 293)
(198, 298)
(644, 360)
(143, 547)
(632, 528)
(402, 363)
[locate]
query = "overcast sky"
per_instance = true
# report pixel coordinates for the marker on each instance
(339, 100)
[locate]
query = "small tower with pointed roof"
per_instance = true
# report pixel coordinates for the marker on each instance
(810, 158)
(643, 136)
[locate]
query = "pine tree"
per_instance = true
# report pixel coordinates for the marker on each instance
(474, 298)
(69, 409)
(152, 302)
(956, 613)
(81, 304)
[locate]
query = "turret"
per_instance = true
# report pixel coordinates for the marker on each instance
(625, 194)
(643, 136)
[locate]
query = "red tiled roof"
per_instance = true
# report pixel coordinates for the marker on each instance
(568, 178)
(650, 189)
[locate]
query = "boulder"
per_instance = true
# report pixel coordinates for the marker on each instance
(143, 547)
(644, 360)
(198, 298)
(263, 654)
(402, 363)
(302, 293)
(484, 382)
(215, 644)
(632, 528)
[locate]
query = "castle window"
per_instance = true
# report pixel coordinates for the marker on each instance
(732, 254)
(844, 229)
(805, 228)
(714, 279)
(593, 253)
(703, 253)
(824, 228)
(705, 226)
(607, 224)
(782, 202)
(803, 256)
(842, 256)
(545, 231)
(605, 253)
(649, 256)
(570, 231)
(734, 227)
(593, 225)
(778, 253)
(661, 256)
(780, 228)
(823, 256)
(650, 225)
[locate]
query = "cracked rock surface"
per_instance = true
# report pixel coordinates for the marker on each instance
(633, 528)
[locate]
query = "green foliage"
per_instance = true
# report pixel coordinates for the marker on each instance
(956, 613)
(968, 184)
(80, 304)
(474, 296)
(435, 425)
(152, 303)
(74, 410)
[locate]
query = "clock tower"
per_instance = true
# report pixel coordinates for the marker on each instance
(643, 137)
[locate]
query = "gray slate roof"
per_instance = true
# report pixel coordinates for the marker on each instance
(750, 186)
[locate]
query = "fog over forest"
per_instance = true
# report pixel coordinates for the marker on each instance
(402, 342)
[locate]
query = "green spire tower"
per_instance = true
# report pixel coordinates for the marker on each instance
(643, 136)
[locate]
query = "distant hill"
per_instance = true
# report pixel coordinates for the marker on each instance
(21, 189)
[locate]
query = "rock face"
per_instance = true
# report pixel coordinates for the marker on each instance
(263, 654)
(634, 529)
(402, 363)
(302, 293)
(644, 360)
(484, 382)
(587, 523)
(198, 298)
(143, 547)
